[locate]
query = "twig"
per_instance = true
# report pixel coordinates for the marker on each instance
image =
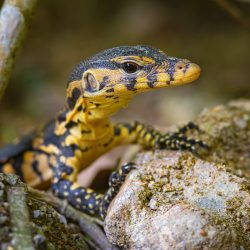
(234, 11)
(20, 218)
(15, 17)
(246, 1)
(86, 222)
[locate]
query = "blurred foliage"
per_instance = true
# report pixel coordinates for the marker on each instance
(65, 32)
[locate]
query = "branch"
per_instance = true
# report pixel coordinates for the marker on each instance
(15, 18)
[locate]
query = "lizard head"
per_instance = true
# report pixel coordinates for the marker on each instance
(113, 76)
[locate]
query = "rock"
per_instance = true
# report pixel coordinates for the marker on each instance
(37, 214)
(40, 241)
(175, 200)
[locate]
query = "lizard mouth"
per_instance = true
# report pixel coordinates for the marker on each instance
(185, 75)
(186, 79)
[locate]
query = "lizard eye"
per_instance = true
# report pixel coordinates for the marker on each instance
(91, 83)
(130, 67)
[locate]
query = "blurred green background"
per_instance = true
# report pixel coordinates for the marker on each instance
(65, 32)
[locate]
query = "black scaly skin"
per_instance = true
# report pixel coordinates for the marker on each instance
(81, 132)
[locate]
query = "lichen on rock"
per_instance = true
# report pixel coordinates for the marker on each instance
(176, 200)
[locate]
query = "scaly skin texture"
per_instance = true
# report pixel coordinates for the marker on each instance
(81, 132)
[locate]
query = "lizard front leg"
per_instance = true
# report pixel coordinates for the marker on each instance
(116, 179)
(148, 137)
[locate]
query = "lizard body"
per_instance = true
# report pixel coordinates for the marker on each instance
(97, 88)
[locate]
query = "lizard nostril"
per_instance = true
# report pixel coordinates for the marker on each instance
(180, 66)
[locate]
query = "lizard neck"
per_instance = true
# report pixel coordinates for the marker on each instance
(102, 107)
(89, 114)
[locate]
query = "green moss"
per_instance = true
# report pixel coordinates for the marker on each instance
(48, 222)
